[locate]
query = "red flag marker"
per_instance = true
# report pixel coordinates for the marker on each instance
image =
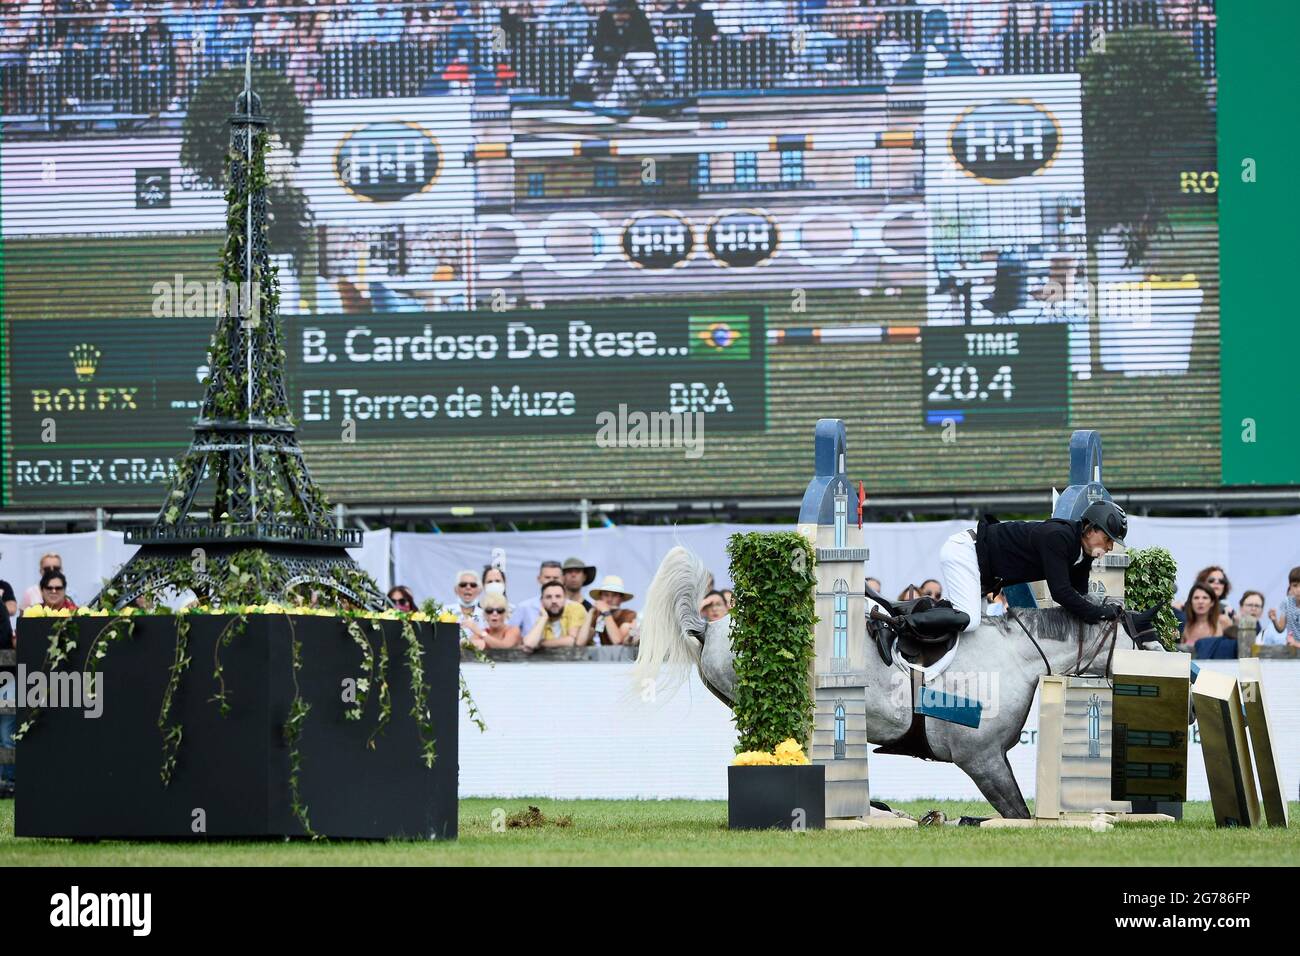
(862, 500)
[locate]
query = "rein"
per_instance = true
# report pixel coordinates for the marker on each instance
(1079, 667)
(1046, 663)
(1112, 639)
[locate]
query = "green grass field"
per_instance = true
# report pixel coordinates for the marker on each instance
(694, 833)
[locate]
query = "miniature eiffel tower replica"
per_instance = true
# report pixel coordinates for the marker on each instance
(245, 446)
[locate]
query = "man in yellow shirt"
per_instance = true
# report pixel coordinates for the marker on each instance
(559, 622)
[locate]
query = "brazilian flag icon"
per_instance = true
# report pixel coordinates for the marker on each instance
(719, 336)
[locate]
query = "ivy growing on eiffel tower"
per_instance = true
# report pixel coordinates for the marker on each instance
(266, 512)
(203, 148)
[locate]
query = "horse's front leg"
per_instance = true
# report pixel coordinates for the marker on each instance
(992, 774)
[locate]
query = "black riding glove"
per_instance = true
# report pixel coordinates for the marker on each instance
(1110, 612)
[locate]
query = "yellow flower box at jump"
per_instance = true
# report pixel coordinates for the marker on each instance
(40, 610)
(789, 753)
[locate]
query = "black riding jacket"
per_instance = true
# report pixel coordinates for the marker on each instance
(1017, 552)
(614, 42)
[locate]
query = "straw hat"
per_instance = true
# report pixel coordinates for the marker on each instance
(611, 584)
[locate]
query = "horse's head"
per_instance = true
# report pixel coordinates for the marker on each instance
(717, 661)
(1141, 630)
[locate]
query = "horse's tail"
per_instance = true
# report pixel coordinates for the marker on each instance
(671, 625)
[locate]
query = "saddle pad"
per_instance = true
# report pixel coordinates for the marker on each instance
(935, 669)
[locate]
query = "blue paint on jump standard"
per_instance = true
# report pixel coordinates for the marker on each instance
(830, 443)
(1085, 476)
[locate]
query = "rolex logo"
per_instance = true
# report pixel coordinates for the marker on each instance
(85, 359)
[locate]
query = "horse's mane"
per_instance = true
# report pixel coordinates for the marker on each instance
(1048, 623)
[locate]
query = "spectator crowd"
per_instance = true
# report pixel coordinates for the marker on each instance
(146, 57)
(1208, 624)
(555, 613)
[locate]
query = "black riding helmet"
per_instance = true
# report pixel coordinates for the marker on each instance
(1109, 517)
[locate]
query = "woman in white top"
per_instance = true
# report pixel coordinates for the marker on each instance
(466, 606)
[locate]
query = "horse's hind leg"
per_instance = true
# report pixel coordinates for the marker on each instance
(995, 780)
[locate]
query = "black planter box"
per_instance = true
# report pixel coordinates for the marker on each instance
(100, 778)
(766, 798)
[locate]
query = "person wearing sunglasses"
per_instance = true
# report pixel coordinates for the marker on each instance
(497, 633)
(49, 562)
(401, 598)
(469, 587)
(1216, 580)
(54, 592)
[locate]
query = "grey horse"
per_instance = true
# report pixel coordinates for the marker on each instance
(999, 663)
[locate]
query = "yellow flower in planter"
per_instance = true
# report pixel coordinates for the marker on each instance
(36, 610)
(82, 611)
(447, 617)
(754, 758)
(789, 752)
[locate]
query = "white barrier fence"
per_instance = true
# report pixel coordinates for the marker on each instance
(1256, 552)
(571, 730)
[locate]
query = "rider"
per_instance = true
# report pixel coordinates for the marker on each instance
(1059, 551)
(623, 28)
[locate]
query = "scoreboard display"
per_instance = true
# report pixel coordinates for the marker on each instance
(114, 409)
(998, 240)
(987, 379)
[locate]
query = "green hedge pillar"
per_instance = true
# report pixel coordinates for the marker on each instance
(772, 635)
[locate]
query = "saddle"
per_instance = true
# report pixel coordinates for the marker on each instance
(924, 628)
